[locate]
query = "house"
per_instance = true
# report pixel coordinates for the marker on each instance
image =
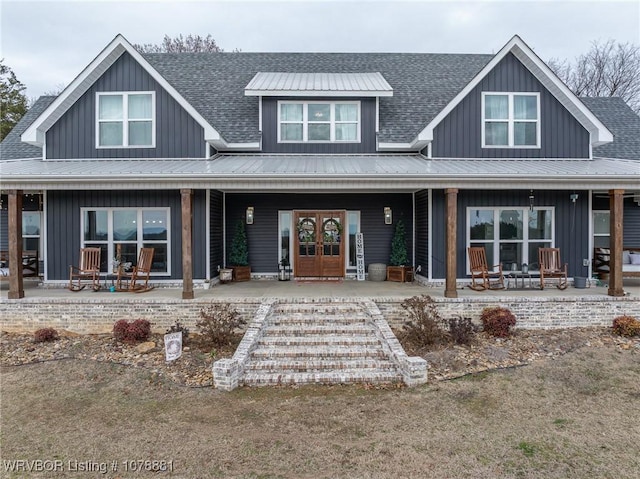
(308, 149)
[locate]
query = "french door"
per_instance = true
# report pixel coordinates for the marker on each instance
(319, 244)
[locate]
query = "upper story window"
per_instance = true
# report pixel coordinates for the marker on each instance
(125, 120)
(510, 120)
(319, 121)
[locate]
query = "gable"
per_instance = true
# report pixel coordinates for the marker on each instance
(458, 135)
(74, 134)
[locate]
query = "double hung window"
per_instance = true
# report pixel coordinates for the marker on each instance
(510, 235)
(125, 120)
(318, 121)
(126, 230)
(510, 120)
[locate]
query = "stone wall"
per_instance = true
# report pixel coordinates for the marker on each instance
(98, 315)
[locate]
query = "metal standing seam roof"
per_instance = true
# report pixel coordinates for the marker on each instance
(298, 83)
(256, 170)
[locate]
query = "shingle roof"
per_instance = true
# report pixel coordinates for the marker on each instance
(11, 147)
(214, 84)
(623, 123)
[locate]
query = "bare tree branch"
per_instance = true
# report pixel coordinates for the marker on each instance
(180, 44)
(608, 69)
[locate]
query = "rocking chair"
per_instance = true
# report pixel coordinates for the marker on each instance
(481, 277)
(551, 267)
(137, 281)
(89, 269)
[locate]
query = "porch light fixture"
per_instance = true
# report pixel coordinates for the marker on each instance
(573, 197)
(249, 215)
(531, 198)
(388, 218)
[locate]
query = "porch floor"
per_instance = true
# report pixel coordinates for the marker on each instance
(317, 289)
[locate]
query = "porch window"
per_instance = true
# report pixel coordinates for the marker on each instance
(510, 235)
(127, 230)
(510, 120)
(31, 230)
(125, 120)
(601, 229)
(318, 121)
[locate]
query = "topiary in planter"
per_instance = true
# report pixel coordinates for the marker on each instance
(399, 256)
(239, 253)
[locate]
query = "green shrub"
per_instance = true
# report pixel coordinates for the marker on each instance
(498, 321)
(45, 335)
(218, 323)
(627, 326)
(425, 326)
(135, 332)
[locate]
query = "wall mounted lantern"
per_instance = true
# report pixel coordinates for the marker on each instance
(388, 218)
(250, 215)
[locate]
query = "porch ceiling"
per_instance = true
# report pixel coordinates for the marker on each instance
(397, 172)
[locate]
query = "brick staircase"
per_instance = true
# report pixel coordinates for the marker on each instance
(316, 343)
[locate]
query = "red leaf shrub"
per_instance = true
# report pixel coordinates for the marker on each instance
(498, 321)
(134, 332)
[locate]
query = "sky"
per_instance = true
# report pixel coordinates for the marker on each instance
(47, 43)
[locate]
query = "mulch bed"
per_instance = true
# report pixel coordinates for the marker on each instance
(193, 368)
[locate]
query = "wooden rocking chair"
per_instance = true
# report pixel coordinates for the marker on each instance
(551, 267)
(89, 269)
(481, 277)
(137, 280)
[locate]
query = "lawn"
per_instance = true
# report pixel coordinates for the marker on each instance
(576, 416)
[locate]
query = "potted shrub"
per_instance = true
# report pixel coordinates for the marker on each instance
(239, 254)
(397, 269)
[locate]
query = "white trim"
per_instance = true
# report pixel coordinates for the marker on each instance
(413, 147)
(511, 120)
(222, 146)
(45, 232)
(600, 133)
(125, 119)
(332, 122)
(224, 230)
(260, 114)
(319, 93)
(36, 132)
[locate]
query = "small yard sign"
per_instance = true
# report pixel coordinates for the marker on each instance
(173, 346)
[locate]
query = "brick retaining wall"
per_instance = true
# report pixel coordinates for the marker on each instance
(98, 315)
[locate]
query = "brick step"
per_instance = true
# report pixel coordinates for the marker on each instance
(322, 320)
(317, 309)
(304, 352)
(345, 376)
(313, 329)
(320, 340)
(338, 364)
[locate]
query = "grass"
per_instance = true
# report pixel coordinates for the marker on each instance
(574, 417)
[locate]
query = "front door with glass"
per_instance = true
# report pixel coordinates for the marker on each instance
(319, 244)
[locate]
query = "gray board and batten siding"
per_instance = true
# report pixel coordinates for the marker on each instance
(459, 135)
(571, 224)
(631, 215)
(367, 142)
(178, 135)
(422, 231)
(216, 233)
(64, 217)
(262, 235)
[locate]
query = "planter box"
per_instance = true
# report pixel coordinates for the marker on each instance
(399, 273)
(241, 273)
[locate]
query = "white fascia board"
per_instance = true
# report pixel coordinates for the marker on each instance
(319, 93)
(35, 133)
(600, 134)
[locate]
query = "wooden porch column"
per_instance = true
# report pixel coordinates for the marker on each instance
(450, 290)
(16, 285)
(616, 206)
(187, 256)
